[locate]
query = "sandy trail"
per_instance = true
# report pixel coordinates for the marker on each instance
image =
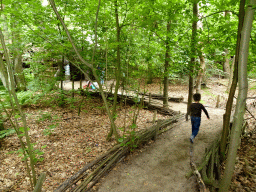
(162, 166)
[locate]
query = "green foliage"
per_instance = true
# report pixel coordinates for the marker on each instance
(38, 85)
(252, 73)
(50, 129)
(26, 97)
(131, 134)
(44, 116)
(37, 154)
(61, 99)
(6, 132)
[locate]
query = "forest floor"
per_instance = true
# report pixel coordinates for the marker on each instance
(69, 141)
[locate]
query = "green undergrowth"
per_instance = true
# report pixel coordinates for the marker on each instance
(252, 85)
(6, 132)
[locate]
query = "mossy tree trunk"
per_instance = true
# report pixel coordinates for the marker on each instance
(226, 116)
(118, 73)
(235, 137)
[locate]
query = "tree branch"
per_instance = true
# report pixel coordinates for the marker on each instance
(84, 62)
(218, 13)
(95, 32)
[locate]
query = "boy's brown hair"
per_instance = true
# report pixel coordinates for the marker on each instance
(197, 97)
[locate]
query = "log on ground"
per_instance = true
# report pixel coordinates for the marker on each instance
(161, 97)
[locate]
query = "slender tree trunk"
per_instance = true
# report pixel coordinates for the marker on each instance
(19, 75)
(17, 58)
(166, 65)
(200, 73)
(226, 65)
(193, 54)
(231, 74)
(11, 90)
(150, 76)
(118, 72)
(241, 100)
(226, 116)
(84, 62)
(3, 72)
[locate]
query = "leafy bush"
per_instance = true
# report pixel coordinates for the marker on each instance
(50, 129)
(44, 116)
(37, 154)
(25, 97)
(6, 132)
(252, 73)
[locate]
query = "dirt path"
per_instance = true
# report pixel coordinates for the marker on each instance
(163, 165)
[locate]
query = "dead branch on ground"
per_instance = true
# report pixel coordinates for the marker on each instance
(91, 173)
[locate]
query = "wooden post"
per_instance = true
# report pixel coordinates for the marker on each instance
(111, 87)
(73, 88)
(157, 129)
(149, 100)
(81, 82)
(154, 118)
(218, 101)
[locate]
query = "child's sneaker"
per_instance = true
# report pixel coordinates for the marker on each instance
(191, 139)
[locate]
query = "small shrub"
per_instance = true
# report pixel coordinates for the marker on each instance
(50, 129)
(44, 116)
(6, 132)
(37, 154)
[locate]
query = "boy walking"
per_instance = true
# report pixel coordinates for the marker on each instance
(195, 110)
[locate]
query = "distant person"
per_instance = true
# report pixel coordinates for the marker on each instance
(195, 110)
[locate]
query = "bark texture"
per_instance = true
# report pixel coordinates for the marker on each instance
(166, 66)
(226, 116)
(231, 74)
(200, 73)
(226, 65)
(118, 73)
(193, 54)
(241, 100)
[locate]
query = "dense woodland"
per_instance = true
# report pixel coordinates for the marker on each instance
(114, 53)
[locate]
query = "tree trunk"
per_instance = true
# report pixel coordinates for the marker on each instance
(12, 94)
(18, 71)
(193, 54)
(226, 66)
(84, 62)
(241, 100)
(166, 66)
(226, 116)
(3, 72)
(150, 75)
(231, 74)
(17, 58)
(200, 73)
(118, 73)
